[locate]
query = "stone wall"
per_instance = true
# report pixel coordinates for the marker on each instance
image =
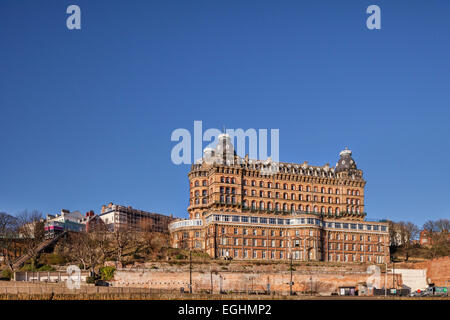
(437, 270)
(323, 280)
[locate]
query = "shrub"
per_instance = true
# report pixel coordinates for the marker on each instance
(91, 280)
(27, 267)
(107, 273)
(46, 267)
(7, 274)
(52, 259)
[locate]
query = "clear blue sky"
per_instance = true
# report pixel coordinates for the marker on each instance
(86, 116)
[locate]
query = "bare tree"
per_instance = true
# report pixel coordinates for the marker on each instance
(89, 249)
(437, 233)
(31, 229)
(123, 238)
(393, 234)
(8, 239)
(408, 233)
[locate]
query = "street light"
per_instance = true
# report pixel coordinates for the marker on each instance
(385, 279)
(190, 271)
(290, 283)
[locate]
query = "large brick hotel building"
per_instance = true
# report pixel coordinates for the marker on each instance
(315, 213)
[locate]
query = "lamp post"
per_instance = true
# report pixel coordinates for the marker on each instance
(210, 271)
(190, 271)
(385, 279)
(290, 283)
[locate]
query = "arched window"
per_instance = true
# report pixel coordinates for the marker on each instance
(300, 207)
(284, 207)
(292, 207)
(315, 208)
(337, 211)
(330, 210)
(308, 208)
(261, 184)
(337, 200)
(292, 196)
(330, 200)
(322, 190)
(322, 209)
(227, 180)
(244, 203)
(261, 205)
(269, 206)
(299, 188)
(292, 187)
(330, 190)
(285, 186)
(285, 196)
(253, 204)
(277, 206)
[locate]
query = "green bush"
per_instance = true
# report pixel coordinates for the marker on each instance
(52, 259)
(107, 273)
(46, 268)
(91, 280)
(28, 267)
(7, 274)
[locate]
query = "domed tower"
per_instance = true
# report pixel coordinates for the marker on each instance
(351, 182)
(346, 162)
(225, 149)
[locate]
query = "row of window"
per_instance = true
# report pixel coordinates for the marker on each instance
(296, 221)
(277, 186)
(354, 247)
(286, 196)
(292, 208)
(300, 188)
(297, 255)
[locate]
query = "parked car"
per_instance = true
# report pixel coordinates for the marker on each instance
(101, 283)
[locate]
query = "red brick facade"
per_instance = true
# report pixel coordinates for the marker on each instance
(315, 213)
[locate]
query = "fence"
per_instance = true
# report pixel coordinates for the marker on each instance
(46, 276)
